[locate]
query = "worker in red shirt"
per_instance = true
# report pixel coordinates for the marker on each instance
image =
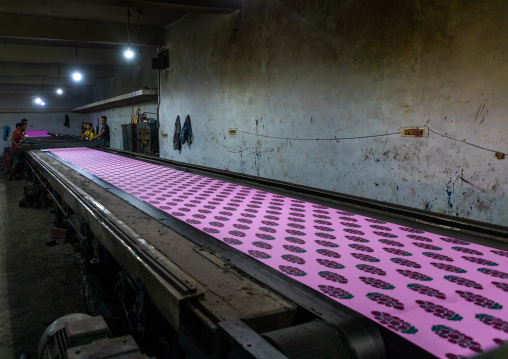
(17, 138)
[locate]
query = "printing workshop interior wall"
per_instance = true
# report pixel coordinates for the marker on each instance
(341, 69)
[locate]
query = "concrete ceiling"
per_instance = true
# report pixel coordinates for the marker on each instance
(38, 38)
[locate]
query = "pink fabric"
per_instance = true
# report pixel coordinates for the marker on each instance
(445, 295)
(37, 133)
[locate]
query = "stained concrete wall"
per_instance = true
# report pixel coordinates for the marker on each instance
(53, 122)
(341, 69)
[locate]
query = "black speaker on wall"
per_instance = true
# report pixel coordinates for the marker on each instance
(161, 62)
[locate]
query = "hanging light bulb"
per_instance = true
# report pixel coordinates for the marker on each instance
(38, 100)
(76, 76)
(59, 90)
(129, 54)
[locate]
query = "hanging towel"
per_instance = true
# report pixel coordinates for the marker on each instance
(66, 123)
(186, 135)
(177, 144)
(7, 130)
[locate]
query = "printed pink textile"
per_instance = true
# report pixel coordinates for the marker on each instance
(37, 133)
(445, 295)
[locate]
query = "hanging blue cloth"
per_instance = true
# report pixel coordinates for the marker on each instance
(177, 145)
(7, 130)
(186, 134)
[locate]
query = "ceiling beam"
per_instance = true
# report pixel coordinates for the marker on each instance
(207, 6)
(48, 81)
(40, 27)
(19, 108)
(63, 55)
(53, 70)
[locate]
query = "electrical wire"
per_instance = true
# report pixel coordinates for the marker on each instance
(320, 139)
(463, 141)
(369, 136)
(42, 83)
(128, 27)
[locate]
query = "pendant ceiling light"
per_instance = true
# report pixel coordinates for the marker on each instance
(128, 53)
(38, 99)
(77, 76)
(59, 90)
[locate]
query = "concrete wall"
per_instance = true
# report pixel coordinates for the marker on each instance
(340, 69)
(53, 122)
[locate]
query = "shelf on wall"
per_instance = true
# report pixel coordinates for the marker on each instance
(119, 101)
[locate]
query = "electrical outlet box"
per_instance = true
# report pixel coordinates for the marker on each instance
(415, 131)
(232, 131)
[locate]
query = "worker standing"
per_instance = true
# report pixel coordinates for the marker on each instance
(17, 150)
(104, 134)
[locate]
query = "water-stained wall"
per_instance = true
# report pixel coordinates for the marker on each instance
(345, 69)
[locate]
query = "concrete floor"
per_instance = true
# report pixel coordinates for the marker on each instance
(38, 283)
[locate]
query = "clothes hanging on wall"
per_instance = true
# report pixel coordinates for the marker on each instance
(186, 135)
(177, 144)
(7, 130)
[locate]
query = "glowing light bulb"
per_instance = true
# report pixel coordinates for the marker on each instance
(129, 54)
(43, 103)
(38, 100)
(76, 76)
(59, 91)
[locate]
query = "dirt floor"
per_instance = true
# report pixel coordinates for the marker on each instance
(38, 282)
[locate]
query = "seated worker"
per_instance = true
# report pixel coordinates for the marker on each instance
(104, 134)
(89, 133)
(17, 150)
